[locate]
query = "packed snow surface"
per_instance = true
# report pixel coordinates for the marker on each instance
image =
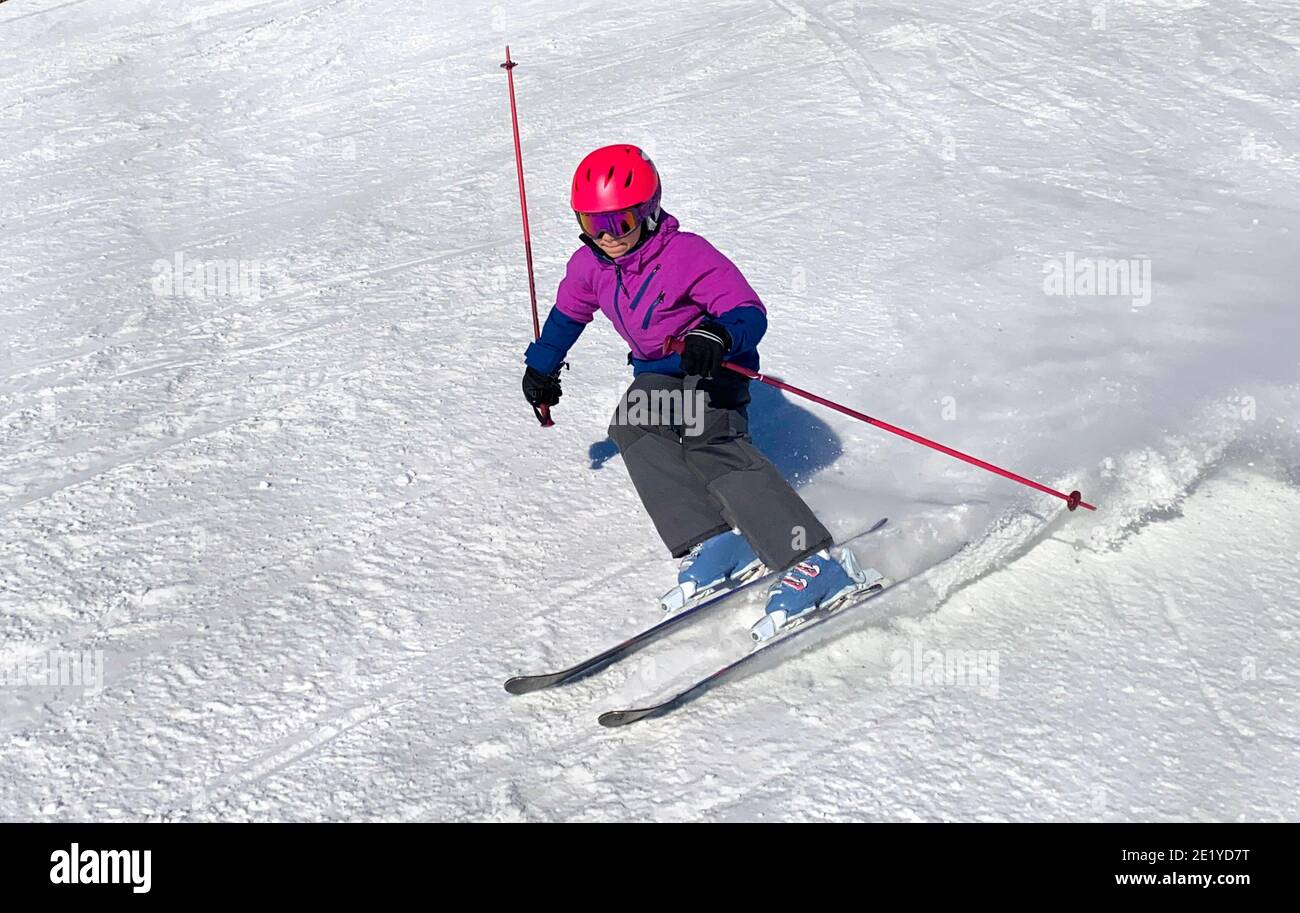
(299, 527)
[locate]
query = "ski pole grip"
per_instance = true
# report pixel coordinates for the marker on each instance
(674, 346)
(543, 413)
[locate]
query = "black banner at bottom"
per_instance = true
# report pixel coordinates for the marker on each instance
(583, 863)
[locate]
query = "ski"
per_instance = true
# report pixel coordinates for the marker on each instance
(525, 684)
(807, 622)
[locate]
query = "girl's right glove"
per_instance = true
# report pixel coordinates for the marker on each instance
(541, 389)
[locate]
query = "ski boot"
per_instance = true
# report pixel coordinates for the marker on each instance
(722, 563)
(817, 582)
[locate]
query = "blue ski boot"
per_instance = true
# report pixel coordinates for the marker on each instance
(721, 563)
(818, 581)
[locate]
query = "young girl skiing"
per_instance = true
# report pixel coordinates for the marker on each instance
(714, 498)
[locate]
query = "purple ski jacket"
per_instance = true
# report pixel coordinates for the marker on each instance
(661, 289)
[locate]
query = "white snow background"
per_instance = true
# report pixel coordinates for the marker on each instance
(311, 526)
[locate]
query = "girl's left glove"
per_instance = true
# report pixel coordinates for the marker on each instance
(704, 348)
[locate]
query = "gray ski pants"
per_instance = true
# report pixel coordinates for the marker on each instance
(686, 445)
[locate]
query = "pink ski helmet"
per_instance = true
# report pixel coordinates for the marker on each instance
(615, 189)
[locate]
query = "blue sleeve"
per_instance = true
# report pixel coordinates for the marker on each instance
(746, 326)
(559, 333)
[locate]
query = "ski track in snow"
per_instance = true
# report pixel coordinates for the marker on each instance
(312, 531)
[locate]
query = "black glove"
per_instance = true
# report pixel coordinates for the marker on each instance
(541, 389)
(704, 349)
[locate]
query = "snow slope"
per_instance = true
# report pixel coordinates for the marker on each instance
(313, 529)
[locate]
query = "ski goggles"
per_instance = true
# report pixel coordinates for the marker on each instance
(615, 224)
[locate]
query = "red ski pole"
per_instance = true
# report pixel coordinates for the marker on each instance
(543, 412)
(1072, 500)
